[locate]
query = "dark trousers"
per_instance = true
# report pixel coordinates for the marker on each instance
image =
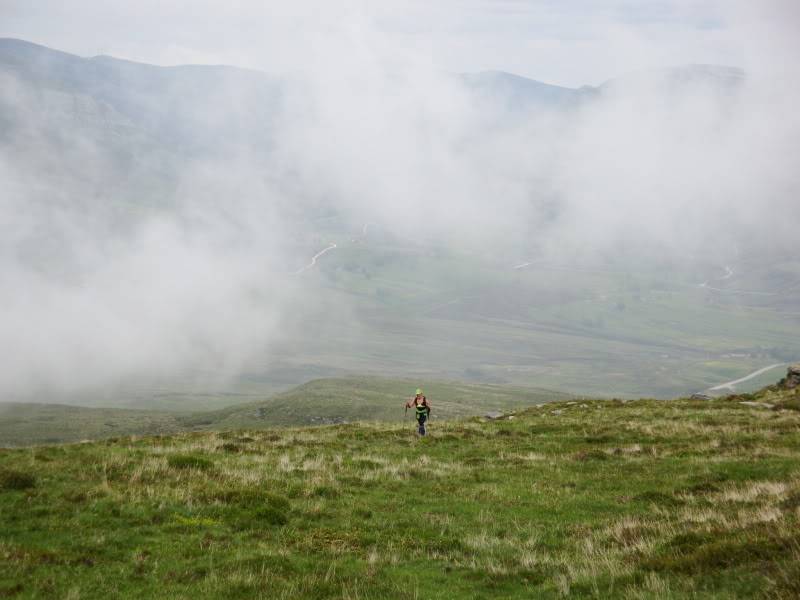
(421, 418)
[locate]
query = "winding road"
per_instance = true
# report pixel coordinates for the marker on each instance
(526, 264)
(728, 275)
(731, 385)
(315, 257)
(333, 246)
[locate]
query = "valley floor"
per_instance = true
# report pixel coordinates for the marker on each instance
(595, 499)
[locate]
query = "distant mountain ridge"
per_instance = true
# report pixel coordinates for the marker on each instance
(144, 123)
(42, 60)
(177, 106)
(103, 75)
(143, 120)
(520, 93)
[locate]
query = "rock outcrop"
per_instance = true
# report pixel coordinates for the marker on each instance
(792, 379)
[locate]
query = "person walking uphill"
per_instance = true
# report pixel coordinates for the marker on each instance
(423, 409)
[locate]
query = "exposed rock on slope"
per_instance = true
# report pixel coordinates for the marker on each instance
(792, 379)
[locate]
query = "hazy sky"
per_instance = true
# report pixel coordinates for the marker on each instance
(570, 42)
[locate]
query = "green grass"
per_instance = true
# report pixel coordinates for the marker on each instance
(586, 499)
(189, 461)
(16, 480)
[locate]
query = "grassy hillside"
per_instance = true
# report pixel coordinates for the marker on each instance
(594, 499)
(23, 424)
(348, 399)
(317, 402)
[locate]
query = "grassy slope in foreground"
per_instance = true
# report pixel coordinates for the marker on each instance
(600, 499)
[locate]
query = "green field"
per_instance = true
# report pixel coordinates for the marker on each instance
(579, 499)
(317, 402)
(599, 327)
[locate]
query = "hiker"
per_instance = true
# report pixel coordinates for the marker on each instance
(423, 409)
